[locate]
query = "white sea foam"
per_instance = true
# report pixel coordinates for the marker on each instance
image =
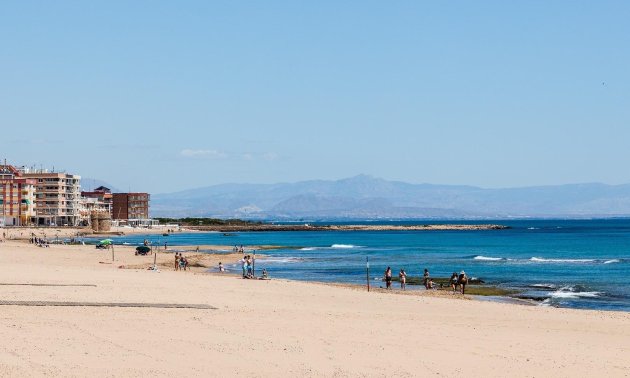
(485, 258)
(546, 303)
(344, 246)
(308, 249)
(540, 259)
(544, 286)
(282, 260)
(572, 294)
(533, 228)
(612, 261)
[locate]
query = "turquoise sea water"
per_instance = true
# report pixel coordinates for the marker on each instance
(566, 263)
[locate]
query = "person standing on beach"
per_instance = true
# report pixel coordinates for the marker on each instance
(426, 278)
(243, 266)
(453, 281)
(249, 267)
(403, 279)
(176, 260)
(388, 278)
(462, 280)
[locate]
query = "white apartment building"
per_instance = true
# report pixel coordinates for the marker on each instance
(57, 197)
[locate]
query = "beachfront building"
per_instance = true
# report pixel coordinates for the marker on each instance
(57, 197)
(17, 197)
(100, 199)
(130, 206)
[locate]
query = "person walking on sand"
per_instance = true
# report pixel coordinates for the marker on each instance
(402, 276)
(453, 281)
(176, 261)
(388, 278)
(426, 278)
(463, 281)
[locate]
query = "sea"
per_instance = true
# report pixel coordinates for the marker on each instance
(582, 264)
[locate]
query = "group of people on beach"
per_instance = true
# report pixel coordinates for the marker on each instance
(39, 242)
(247, 263)
(237, 249)
(455, 281)
(459, 280)
(181, 262)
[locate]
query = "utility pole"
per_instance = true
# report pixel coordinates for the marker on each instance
(367, 272)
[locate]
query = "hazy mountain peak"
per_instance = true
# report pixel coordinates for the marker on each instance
(364, 196)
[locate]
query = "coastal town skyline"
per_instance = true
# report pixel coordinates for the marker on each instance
(486, 94)
(310, 189)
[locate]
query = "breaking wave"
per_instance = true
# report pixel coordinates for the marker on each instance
(486, 258)
(344, 246)
(570, 292)
(282, 260)
(542, 260)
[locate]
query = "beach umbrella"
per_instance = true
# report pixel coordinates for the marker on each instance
(106, 241)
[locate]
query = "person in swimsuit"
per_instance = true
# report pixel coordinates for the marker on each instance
(403, 279)
(250, 273)
(426, 279)
(176, 260)
(244, 266)
(388, 278)
(453, 281)
(183, 263)
(462, 280)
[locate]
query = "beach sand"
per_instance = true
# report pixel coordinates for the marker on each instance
(51, 233)
(275, 327)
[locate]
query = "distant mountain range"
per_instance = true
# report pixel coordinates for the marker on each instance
(366, 197)
(88, 184)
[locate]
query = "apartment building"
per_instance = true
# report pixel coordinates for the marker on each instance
(128, 206)
(17, 197)
(99, 199)
(57, 197)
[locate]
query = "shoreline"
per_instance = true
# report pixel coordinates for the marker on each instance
(212, 254)
(208, 257)
(347, 227)
(281, 327)
(24, 233)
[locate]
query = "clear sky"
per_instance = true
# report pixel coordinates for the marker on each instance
(162, 96)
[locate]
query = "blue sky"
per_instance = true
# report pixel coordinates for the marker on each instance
(162, 96)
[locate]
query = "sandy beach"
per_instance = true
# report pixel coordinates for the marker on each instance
(273, 328)
(51, 233)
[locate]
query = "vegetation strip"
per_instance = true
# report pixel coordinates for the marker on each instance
(107, 304)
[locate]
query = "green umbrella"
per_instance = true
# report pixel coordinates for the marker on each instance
(106, 242)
